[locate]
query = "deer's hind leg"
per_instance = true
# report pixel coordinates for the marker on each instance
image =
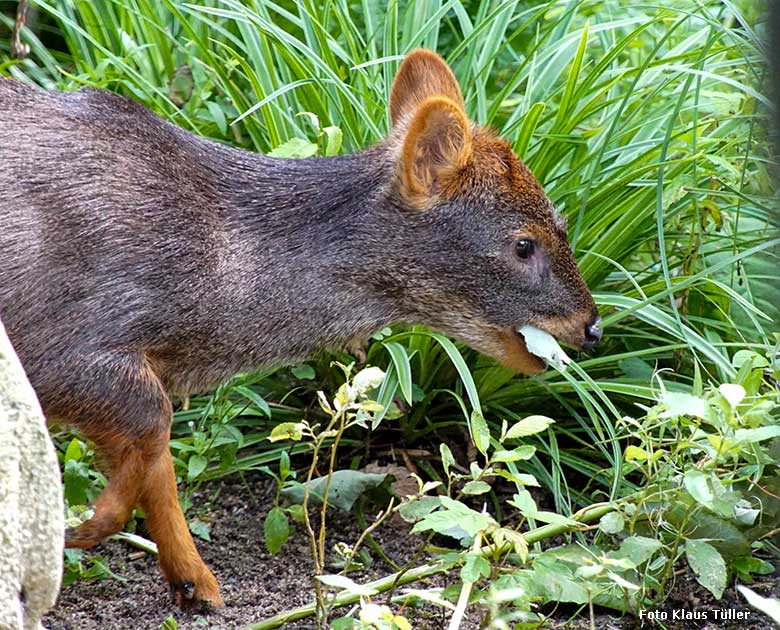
(119, 403)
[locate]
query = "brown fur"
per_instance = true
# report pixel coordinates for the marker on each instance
(437, 142)
(421, 75)
(138, 261)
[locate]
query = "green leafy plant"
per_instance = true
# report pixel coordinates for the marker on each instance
(81, 481)
(276, 526)
(78, 567)
(352, 406)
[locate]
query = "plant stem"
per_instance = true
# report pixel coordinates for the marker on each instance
(367, 533)
(320, 605)
(340, 418)
(345, 598)
(361, 516)
(586, 515)
(137, 541)
(465, 592)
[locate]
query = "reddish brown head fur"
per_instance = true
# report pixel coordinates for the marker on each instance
(447, 161)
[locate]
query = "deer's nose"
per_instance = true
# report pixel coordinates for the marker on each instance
(592, 333)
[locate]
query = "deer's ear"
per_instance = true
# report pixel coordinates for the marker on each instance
(421, 75)
(437, 142)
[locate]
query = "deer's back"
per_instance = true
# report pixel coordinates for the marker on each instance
(110, 228)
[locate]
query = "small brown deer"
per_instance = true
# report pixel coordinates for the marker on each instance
(139, 261)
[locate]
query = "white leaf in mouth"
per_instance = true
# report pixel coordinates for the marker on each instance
(544, 346)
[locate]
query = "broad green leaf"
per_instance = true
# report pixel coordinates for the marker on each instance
(526, 479)
(286, 431)
(218, 116)
(681, 404)
(480, 433)
(697, 484)
(447, 460)
(751, 436)
(313, 119)
(76, 482)
(276, 529)
(734, 394)
(612, 523)
(743, 356)
(635, 454)
(544, 345)
(367, 379)
(334, 137)
(346, 487)
(476, 487)
(638, 549)
(724, 534)
(708, 565)
(555, 582)
(196, 464)
(200, 529)
(295, 148)
(747, 565)
(284, 465)
(296, 512)
(413, 511)
(517, 454)
(530, 425)
(74, 451)
(474, 567)
(304, 372)
(454, 515)
(524, 502)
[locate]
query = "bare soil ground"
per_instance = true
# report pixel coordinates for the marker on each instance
(256, 584)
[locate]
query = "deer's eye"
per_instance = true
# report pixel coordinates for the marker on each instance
(524, 248)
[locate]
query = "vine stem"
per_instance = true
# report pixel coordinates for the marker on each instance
(341, 418)
(465, 592)
(345, 598)
(320, 605)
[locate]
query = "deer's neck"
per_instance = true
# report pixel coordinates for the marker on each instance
(305, 242)
(307, 196)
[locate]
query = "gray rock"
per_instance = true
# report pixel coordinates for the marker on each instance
(31, 507)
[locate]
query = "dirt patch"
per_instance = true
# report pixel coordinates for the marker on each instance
(256, 584)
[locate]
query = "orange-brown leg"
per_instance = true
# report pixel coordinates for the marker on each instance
(114, 507)
(190, 579)
(120, 404)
